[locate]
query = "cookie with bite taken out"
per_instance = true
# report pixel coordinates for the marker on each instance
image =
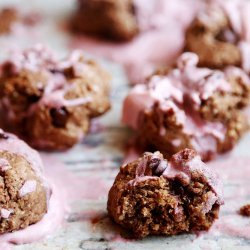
(155, 196)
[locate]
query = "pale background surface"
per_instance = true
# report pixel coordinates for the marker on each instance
(101, 153)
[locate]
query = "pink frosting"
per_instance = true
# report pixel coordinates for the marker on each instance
(5, 213)
(182, 90)
(178, 168)
(55, 200)
(12, 144)
(161, 39)
(34, 59)
(49, 223)
(40, 58)
(4, 164)
(28, 187)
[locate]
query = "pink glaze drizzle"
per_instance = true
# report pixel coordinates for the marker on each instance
(28, 187)
(182, 90)
(41, 59)
(178, 168)
(49, 223)
(13, 145)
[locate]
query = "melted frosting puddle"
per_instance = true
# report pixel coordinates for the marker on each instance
(66, 189)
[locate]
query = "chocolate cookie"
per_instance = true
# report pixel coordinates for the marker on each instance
(219, 35)
(188, 106)
(154, 196)
(50, 102)
(111, 19)
(24, 191)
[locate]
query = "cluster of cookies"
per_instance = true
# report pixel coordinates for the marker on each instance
(199, 103)
(189, 112)
(49, 103)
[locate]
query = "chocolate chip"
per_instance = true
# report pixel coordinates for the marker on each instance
(160, 169)
(69, 72)
(59, 117)
(33, 98)
(8, 69)
(154, 162)
(55, 71)
(228, 36)
(157, 165)
(133, 9)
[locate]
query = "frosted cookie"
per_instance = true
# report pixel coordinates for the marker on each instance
(8, 16)
(154, 196)
(189, 107)
(112, 19)
(24, 191)
(49, 102)
(219, 35)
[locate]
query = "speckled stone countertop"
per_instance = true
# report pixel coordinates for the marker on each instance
(99, 157)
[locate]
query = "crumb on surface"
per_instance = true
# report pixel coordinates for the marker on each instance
(245, 210)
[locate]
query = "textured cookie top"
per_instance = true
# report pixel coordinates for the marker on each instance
(40, 59)
(228, 24)
(46, 81)
(10, 143)
(37, 90)
(183, 166)
(25, 193)
(182, 91)
(155, 196)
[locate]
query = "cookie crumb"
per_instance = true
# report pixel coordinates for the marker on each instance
(245, 210)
